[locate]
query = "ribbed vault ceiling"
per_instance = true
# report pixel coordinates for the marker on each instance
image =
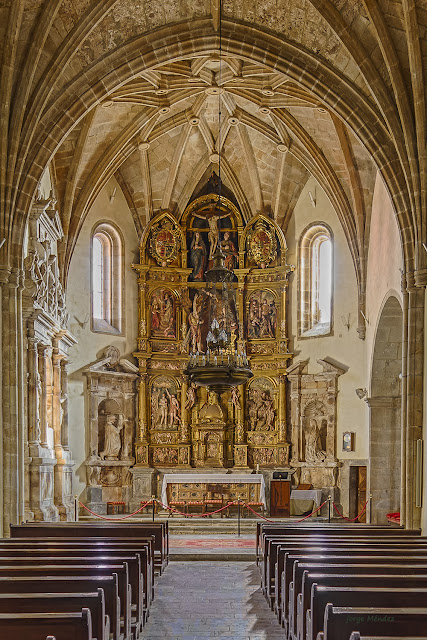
(133, 89)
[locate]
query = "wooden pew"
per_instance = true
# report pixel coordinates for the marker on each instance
(339, 622)
(61, 603)
(19, 557)
(71, 584)
(328, 556)
(273, 586)
(272, 568)
(108, 530)
(285, 528)
(271, 544)
(42, 571)
(33, 626)
(360, 596)
(142, 546)
(312, 619)
(346, 566)
(356, 636)
(273, 591)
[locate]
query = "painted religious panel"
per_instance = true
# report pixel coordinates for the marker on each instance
(163, 314)
(261, 315)
(165, 405)
(261, 413)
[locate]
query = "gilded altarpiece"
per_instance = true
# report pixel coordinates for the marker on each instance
(183, 426)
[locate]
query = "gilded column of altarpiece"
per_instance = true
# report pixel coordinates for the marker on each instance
(182, 426)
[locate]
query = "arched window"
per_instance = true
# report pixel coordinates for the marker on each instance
(106, 279)
(315, 285)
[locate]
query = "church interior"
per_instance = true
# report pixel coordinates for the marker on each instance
(143, 144)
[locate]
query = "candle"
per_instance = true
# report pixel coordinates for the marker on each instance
(257, 468)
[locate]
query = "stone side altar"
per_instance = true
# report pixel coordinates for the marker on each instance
(180, 426)
(111, 412)
(314, 423)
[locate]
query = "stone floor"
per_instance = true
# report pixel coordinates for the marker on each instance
(204, 600)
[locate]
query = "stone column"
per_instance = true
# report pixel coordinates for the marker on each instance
(11, 458)
(413, 390)
(64, 405)
(56, 402)
(34, 387)
(42, 363)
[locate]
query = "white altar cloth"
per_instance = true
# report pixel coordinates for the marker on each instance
(307, 494)
(214, 478)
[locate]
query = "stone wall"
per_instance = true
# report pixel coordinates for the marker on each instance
(91, 345)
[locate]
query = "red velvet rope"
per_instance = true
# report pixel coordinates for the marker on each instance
(113, 519)
(258, 514)
(312, 513)
(204, 515)
(351, 519)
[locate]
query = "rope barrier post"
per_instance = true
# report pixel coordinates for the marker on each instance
(238, 517)
(370, 508)
(76, 509)
(329, 508)
(154, 506)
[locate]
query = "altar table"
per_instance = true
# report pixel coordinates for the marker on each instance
(254, 490)
(305, 500)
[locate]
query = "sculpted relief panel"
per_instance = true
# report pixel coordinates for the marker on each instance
(165, 406)
(163, 314)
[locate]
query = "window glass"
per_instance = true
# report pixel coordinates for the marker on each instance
(106, 279)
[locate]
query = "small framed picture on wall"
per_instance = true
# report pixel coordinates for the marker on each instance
(348, 441)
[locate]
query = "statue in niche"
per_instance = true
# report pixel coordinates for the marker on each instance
(313, 442)
(198, 256)
(211, 410)
(235, 398)
(262, 316)
(261, 411)
(174, 410)
(163, 314)
(195, 322)
(191, 396)
(228, 248)
(163, 410)
(112, 438)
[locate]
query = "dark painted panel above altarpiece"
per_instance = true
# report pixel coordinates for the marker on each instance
(174, 428)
